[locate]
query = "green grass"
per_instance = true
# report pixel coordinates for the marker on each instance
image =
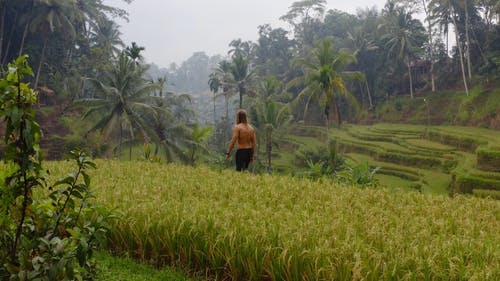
(435, 154)
(113, 268)
(395, 176)
(249, 227)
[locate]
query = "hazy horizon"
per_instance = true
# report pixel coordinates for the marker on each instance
(171, 31)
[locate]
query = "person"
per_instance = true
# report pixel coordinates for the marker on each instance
(244, 137)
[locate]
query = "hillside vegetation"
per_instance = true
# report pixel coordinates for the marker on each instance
(429, 159)
(480, 109)
(259, 227)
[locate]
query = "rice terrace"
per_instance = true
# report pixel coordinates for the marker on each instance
(345, 143)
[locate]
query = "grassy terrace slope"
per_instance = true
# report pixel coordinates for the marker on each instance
(250, 227)
(431, 159)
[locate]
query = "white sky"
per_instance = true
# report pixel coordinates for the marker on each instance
(172, 30)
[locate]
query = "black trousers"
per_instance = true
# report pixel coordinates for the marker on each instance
(243, 157)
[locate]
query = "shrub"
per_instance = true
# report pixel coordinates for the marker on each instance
(467, 183)
(44, 238)
(488, 159)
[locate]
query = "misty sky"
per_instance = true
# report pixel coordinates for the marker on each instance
(171, 30)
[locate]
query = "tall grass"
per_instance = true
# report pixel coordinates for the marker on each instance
(248, 227)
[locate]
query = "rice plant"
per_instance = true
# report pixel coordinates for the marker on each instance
(237, 226)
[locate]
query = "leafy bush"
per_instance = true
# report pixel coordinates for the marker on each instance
(463, 183)
(360, 175)
(488, 159)
(46, 238)
(460, 142)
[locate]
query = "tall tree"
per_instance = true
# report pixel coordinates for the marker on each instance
(302, 15)
(106, 35)
(242, 76)
(121, 105)
(403, 37)
(222, 78)
(214, 84)
(324, 78)
(446, 12)
(134, 52)
(52, 16)
(363, 47)
(272, 116)
(273, 51)
(198, 141)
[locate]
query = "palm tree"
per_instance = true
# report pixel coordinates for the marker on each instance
(241, 74)
(122, 103)
(363, 47)
(106, 35)
(214, 85)
(168, 125)
(222, 77)
(134, 52)
(403, 37)
(324, 78)
(271, 116)
(198, 140)
(51, 16)
(446, 11)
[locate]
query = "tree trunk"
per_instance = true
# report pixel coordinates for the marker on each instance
(431, 45)
(410, 76)
(215, 116)
(226, 100)
(9, 41)
(337, 112)
(369, 93)
(460, 52)
(40, 64)
(2, 25)
(241, 89)
(120, 142)
(269, 148)
(469, 69)
(26, 28)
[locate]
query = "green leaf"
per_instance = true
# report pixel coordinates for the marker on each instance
(86, 179)
(68, 180)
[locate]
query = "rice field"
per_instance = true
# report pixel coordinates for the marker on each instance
(259, 227)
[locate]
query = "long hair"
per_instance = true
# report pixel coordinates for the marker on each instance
(241, 116)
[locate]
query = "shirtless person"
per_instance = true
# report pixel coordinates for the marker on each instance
(244, 135)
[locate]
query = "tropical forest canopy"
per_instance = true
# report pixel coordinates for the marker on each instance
(331, 66)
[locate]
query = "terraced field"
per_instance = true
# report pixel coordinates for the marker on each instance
(435, 159)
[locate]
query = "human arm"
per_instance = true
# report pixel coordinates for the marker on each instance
(254, 145)
(232, 142)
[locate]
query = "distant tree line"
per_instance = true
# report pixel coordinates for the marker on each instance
(395, 52)
(326, 68)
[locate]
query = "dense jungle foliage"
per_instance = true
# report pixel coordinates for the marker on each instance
(329, 66)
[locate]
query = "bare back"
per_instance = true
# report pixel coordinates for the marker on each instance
(244, 135)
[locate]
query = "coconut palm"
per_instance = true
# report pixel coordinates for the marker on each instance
(272, 116)
(241, 76)
(53, 16)
(363, 47)
(214, 84)
(403, 36)
(445, 11)
(324, 78)
(222, 78)
(169, 132)
(106, 35)
(198, 141)
(134, 52)
(122, 102)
